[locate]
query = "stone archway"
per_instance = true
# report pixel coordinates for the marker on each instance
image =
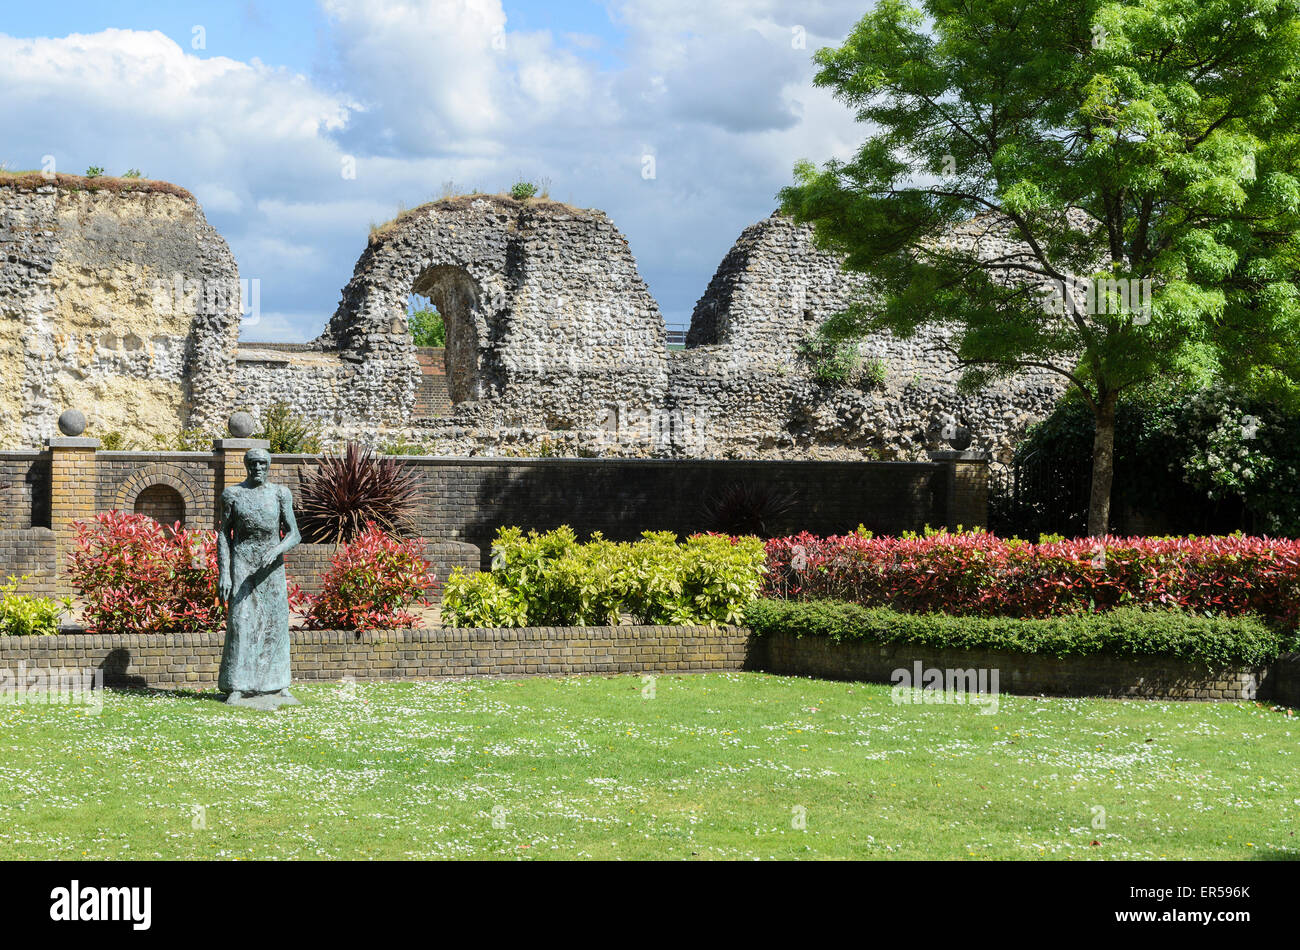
(456, 295)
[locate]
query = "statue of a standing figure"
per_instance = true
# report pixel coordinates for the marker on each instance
(257, 528)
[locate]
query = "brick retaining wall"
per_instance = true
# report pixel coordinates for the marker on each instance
(1147, 678)
(193, 659)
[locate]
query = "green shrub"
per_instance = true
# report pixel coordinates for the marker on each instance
(112, 441)
(289, 432)
(23, 615)
(1195, 460)
(522, 190)
(481, 600)
(873, 374)
(94, 171)
(833, 362)
(132, 173)
(1128, 632)
(552, 580)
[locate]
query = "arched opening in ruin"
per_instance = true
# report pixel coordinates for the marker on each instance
(162, 503)
(456, 297)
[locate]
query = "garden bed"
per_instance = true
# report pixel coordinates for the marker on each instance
(1120, 653)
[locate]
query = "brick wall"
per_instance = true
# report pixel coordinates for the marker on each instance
(968, 488)
(1148, 678)
(433, 398)
(468, 499)
(73, 483)
(31, 552)
(307, 564)
(191, 660)
(24, 489)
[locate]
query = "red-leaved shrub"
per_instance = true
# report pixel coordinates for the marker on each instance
(136, 576)
(982, 575)
(370, 583)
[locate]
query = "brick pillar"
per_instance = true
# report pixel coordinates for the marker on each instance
(968, 487)
(230, 467)
(73, 481)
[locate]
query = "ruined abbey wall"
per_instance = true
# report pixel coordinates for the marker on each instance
(554, 343)
(92, 316)
(743, 381)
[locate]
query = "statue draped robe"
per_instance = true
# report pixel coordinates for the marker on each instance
(256, 655)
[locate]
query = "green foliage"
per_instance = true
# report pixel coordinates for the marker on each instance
(1126, 631)
(552, 580)
(833, 361)
(523, 190)
(289, 432)
(186, 440)
(873, 374)
(24, 615)
(132, 173)
(1170, 124)
(112, 441)
(1199, 460)
(481, 600)
(94, 171)
(427, 327)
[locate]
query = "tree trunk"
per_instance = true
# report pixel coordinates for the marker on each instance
(1103, 465)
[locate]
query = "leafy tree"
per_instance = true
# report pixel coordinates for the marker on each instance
(427, 328)
(1150, 140)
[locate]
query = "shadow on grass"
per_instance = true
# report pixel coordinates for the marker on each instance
(211, 695)
(1272, 854)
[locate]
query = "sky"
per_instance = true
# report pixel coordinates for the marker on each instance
(298, 124)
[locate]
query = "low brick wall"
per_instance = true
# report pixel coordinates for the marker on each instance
(1147, 678)
(193, 659)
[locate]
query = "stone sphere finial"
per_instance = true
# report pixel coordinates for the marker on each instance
(72, 423)
(241, 425)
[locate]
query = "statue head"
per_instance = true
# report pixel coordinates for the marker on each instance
(258, 464)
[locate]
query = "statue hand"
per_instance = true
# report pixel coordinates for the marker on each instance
(223, 588)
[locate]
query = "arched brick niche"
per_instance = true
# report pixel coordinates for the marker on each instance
(166, 493)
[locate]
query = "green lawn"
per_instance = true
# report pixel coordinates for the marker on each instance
(710, 766)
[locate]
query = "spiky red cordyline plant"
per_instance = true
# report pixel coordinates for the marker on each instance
(347, 491)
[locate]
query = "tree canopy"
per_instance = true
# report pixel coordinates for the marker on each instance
(1147, 150)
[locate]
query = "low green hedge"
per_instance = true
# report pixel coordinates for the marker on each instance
(1126, 631)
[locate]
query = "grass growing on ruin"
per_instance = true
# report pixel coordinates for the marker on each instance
(711, 766)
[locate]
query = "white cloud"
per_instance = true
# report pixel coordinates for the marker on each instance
(422, 92)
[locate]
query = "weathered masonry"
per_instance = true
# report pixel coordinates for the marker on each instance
(117, 297)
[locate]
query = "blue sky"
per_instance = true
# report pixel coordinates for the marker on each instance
(257, 106)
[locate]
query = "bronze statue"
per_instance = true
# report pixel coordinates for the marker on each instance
(257, 529)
